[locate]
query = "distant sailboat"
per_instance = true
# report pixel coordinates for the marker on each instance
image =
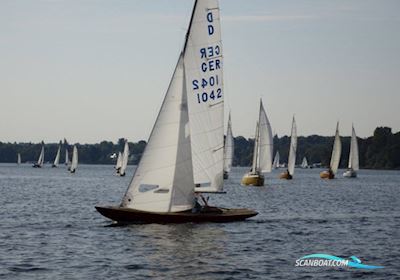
(262, 154)
(228, 149)
(184, 152)
(288, 174)
(67, 163)
(19, 159)
(275, 164)
(57, 158)
(119, 162)
(335, 158)
(74, 161)
(353, 166)
(40, 161)
(124, 159)
(304, 163)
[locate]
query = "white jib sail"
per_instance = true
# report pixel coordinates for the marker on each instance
(74, 161)
(41, 156)
(125, 157)
(275, 164)
(119, 161)
(203, 60)
(336, 151)
(353, 158)
(19, 159)
(254, 166)
(293, 148)
(266, 141)
(163, 180)
(229, 147)
(57, 158)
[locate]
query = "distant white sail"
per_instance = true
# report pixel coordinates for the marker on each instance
(265, 141)
(293, 148)
(203, 62)
(119, 162)
(304, 163)
(66, 156)
(124, 160)
(275, 164)
(40, 161)
(163, 180)
(57, 158)
(229, 147)
(19, 159)
(256, 151)
(74, 161)
(336, 151)
(353, 157)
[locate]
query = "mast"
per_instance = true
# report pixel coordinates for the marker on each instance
(256, 150)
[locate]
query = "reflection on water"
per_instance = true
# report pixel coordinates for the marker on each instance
(50, 230)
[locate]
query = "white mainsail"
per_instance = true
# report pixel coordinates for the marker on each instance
(19, 159)
(229, 147)
(275, 164)
(40, 161)
(336, 151)
(124, 160)
(353, 157)
(304, 163)
(265, 141)
(203, 62)
(163, 180)
(74, 161)
(293, 148)
(57, 158)
(119, 162)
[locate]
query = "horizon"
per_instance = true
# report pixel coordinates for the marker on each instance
(87, 72)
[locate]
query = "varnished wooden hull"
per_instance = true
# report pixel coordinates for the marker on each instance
(216, 215)
(326, 175)
(256, 180)
(285, 175)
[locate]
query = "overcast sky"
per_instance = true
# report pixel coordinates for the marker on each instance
(93, 70)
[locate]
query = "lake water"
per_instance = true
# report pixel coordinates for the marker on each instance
(50, 229)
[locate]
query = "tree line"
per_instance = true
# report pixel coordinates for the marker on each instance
(380, 151)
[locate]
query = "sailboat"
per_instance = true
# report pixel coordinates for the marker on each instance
(119, 162)
(184, 152)
(228, 149)
(57, 158)
(353, 166)
(304, 163)
(262, 153)
(288, 174)
(66, 157)
(124, 159)
(40, 160)
(275, 164)
(19, 159)
(74, 161)
(335, 158)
